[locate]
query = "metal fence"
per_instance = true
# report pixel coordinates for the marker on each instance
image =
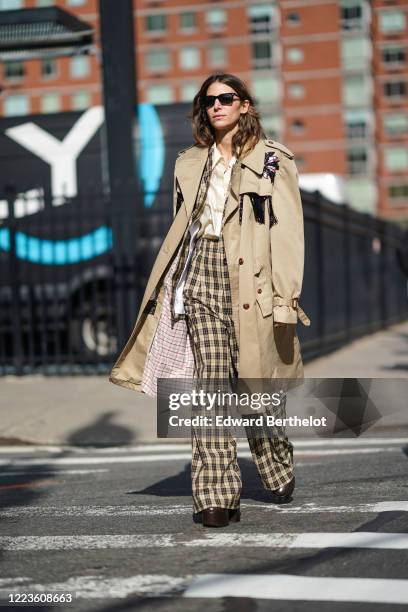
(355, 274)
(73, 272)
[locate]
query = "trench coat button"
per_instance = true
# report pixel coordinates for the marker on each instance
(259, 290)
(246, 306)
(240, 261)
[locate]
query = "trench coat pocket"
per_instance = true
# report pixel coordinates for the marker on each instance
(263, 292)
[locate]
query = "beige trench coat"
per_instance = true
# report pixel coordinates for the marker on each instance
(265, 267)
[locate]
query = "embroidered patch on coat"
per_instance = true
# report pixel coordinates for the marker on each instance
(271, 164)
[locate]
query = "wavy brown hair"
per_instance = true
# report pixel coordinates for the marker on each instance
(249, 126)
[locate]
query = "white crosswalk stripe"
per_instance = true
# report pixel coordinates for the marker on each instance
(176, 446)
(305, 588)
(177, 456)
(256, 586)
(359, 539)
(177, 509)
(47, 472)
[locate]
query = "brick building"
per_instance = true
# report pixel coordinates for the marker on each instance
(330, 78)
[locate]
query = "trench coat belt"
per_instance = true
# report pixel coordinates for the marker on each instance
(293, 303)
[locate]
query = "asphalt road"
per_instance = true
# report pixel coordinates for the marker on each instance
(113, 527)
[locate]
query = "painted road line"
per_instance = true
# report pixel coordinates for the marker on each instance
(313, 508)
(254, 586)
(169, 447)
(299, 588)
(89, 460)
(24, 474)
(177, 509)
(319, 540)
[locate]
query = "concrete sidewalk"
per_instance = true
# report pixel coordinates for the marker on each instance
(91, 410)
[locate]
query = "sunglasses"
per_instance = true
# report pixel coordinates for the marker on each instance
(226, 99)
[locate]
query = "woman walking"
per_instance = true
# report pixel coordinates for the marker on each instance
(222, 300)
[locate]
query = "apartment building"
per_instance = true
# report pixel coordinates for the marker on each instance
(329, 77)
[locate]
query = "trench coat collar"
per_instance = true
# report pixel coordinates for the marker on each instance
(255, 159)
(191, 165)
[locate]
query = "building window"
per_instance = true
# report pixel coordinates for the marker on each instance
(49, 68)
(16, 104)
(188, 20)
(294, 55)
(297, 126)
(394, 55)
(355, 53)
(260, 18)
(76, 2)
(51, 103)
(80, 66)
(266, 90)
(44, 2)
(351, 14)
(361, 192)
(160, 94)
(395, 124)
(356, 124)
(261, 54)
(357, 161)
(81, 100)
(398, 194)
(14, 70)
(157, 60)
(392, 21)
(356, 90)
(296, 91)
(293, 19)
(217, 56)
(9, 5)
(216, 19)
(188, 91)
(395, 89)
(189, 58)
(155, 24)
(272, 125)
(396, 159)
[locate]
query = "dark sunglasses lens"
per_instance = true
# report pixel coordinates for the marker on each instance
(226, 99)
(208, 101)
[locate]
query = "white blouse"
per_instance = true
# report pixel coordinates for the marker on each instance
(211, 217)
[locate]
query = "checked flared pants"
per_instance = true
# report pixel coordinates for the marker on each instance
(216, 475)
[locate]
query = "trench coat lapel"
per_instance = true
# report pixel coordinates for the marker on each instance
(255, 159)
(188, 173)
(242, 179)
(233, 199)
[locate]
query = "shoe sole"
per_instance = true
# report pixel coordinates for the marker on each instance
(281, 500)
(235, 518)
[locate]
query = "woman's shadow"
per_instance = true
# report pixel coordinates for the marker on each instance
(179, 485)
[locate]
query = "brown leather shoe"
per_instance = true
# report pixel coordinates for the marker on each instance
(220, 517)
(283, 495)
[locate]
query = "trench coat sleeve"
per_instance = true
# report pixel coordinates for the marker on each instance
(287, 243)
